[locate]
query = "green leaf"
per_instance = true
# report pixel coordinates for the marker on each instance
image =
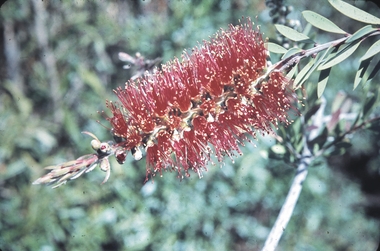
(321, 22)
(339, 99)
(322, 81)
(361, 33)
(312, 111)
(24, 103)
(353, 12)
(343, 144)
(316, 63)
(317, 143)
(277, 152)
(371, 100)
(275, 48)
(71, 125)
(340, 56)
(372, 51)
(92, 80)
(307, 29)
(278, 149)
(373, 125)
(291, 52)
(292, 72)
(300, 76)
(13, 169)
(367, 72)
(293, 34)
(340, 148)
(374, 71)
(361, 71)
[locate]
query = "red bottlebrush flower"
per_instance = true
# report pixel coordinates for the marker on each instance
(204, 105)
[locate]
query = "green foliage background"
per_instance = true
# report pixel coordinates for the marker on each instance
(60, 65)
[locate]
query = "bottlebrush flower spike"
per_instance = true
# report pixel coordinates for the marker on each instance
(203, 105)
(206, 104)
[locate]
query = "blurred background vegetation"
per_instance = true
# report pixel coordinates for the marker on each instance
(59, 65)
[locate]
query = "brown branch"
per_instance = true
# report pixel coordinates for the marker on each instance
(342, 136)
(287, 208)
(292, 60)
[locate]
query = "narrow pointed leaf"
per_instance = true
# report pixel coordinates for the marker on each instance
(371, 100)
(92, 80)
(372, 51)
(370, 72)
(321, 22)
(360, 73)
(361, 33)
(307, 29)
(322, 82)
(330, 53)
(291, 52)
(340, 56)
(292, 72)
(312, 111)
(353, 12)
(374, 71)
(293, 34)
(275, 48)
(317, 143)
(314, 66)
(340, 148)
(374, 125)
(339, 99)
(297, 82)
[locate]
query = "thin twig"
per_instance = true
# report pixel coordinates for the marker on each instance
(292, 60)
(343, 135)
(296, 187)
(289, 204)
